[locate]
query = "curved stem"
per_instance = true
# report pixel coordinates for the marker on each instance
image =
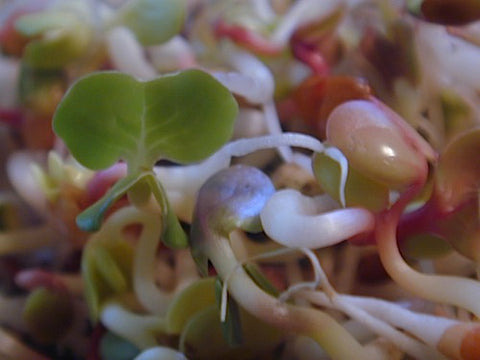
(451, 290)
(295, 220)
(149, 295)
(367, 316)
(333, 338)
(427, 327)
(139, 329)
(246, 146)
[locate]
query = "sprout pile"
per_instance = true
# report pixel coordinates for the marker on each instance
(239, 179)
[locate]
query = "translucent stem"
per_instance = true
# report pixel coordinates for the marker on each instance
(274, 128)
(139, 329)
(453, 290)
(427, 327)
(254, 80)
(378, 325)
(149, 295)
(333, 338)
(295, 220)
(246, 146)
(127, 53)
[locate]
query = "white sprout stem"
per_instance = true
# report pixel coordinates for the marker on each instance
(127, 54)
(254, 81)
(160, 352)
(25, 240)
(182, 183)
(176, 53)
(22, 177)
(335, 340)
(224, 297)
(274, 128)
(427, 327)
(140, 330)
(452, 290)
(294, 220)
(245, 146)
(242, 147)
(320, 278)
(149, 295)
(382, 328)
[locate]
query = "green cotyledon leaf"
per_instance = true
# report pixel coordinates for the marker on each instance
(58, 35)
(359, 190)
(91, 219)
(173, 236)
(108, 116)
(152, 21)
(194, 298)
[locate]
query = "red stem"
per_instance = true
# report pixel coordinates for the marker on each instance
(453, 290)
(311, 56)
(246, 38)
(11, 117)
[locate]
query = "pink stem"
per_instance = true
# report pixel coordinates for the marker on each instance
(310, 56)
(246, 38)
(11, 117)
(453, 290)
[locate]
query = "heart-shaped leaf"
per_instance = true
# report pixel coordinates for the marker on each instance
(110, 116)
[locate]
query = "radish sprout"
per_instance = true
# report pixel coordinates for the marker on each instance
(226, 179)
